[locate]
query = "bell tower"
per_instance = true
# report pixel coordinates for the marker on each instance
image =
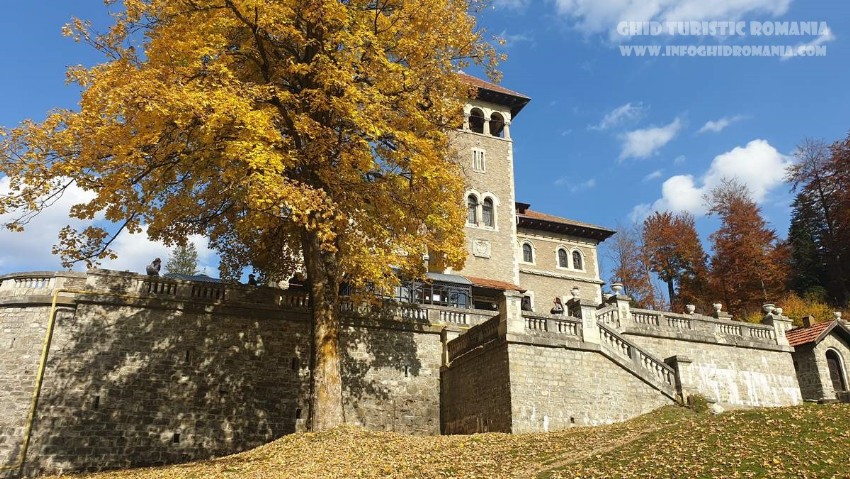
(484, 149)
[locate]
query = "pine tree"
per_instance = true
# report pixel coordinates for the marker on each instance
(183, 260)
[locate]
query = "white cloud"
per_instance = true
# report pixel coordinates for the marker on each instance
(621, 114)
(512, 39)
(646, 142)
(800, 49)
(716, 126)
(574, 187)
(653, 176)
(758, 165)
(136, 251)
(680, 160)
(510, 4)
(31, 249)
(600, 16)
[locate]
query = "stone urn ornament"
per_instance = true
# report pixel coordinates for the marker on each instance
(690, 308)
(777, 311)
(718, 306)
(618, 288)
(836, 315)
(768, 308)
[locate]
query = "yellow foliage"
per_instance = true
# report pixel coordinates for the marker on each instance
(796, 308)
(260, 124)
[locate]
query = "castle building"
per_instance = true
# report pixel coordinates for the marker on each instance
(110, 369)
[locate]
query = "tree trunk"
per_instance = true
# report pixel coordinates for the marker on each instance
(326, 399)
(671, 293)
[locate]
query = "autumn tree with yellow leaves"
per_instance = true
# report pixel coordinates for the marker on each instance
(288, 132)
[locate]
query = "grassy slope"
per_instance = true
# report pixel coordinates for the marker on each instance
(808, 441)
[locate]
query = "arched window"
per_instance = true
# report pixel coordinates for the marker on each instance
(497, 125)
(476, 120)
(577, 261)
(487, 213)
(562, 258)
(527, 253)
(836, 371)
(472, 210)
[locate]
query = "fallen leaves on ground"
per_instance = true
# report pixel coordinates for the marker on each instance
(801, 442)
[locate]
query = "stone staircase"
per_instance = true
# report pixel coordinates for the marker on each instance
(637, 361)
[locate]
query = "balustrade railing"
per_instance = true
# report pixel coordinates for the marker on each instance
(642, 360)
(564, 325)
(648, 320)
(609, 315)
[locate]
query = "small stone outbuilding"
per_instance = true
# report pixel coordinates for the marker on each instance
(821, 359)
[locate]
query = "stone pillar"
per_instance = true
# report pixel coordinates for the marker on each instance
(773, 316)
(510, 309)
(719, 313)
(587, 312)
(445, 336)
(684, 376)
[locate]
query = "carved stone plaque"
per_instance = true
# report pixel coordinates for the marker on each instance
(481, 248)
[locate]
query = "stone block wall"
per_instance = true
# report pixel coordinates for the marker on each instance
(391, 376)
(476, 391)
(731, 374)
(556, 388)
(144, 380)
(813, 371)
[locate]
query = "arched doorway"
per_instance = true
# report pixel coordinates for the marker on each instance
(836, 371)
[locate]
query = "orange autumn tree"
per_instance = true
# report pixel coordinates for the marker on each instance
(631, 267)
(674, 252)
(749, 265)
(291, 132)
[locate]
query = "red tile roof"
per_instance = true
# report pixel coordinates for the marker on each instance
(493, 284)
(800, 336)
(477, 82)
(557, 219)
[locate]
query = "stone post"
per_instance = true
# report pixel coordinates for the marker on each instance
(773, 317)
(445, 336)
(718, 311)
(684, 376)
(587, 312)
(510, 309)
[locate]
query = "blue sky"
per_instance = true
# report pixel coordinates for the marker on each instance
(606, 139)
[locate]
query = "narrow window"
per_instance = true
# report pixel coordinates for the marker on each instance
(497, 125)
(562, 258)
(479, 161)
(472, 210)
(175, 439)
(487, 212)
(527, 253)
(833, 362)
(476, 120)
(577, 264)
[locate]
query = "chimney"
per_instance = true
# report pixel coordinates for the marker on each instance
(808, 321)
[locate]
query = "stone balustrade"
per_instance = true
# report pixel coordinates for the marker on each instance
(644, 362)
(609, 315)
(560, 325)
(648, 321)
(38, 283)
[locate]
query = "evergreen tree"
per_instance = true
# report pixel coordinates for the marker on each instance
(183, 260)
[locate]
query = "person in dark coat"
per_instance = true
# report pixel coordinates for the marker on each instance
(252, 280)
(153, 268)
(558, 308)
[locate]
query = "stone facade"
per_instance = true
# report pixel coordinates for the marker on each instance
(813, 372)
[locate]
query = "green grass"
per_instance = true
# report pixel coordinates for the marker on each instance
(809, 441)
